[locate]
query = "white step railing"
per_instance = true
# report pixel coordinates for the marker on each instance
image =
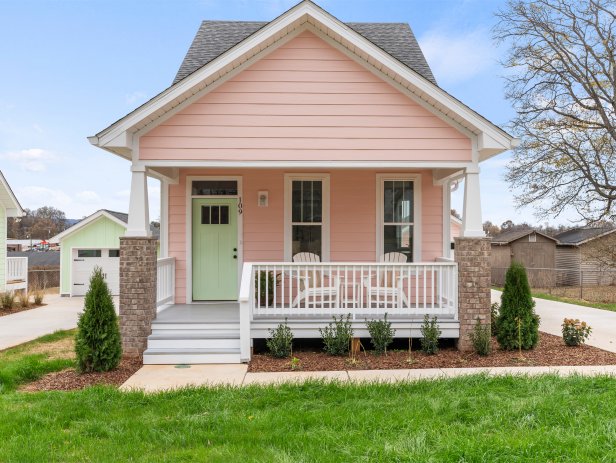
(16, 273)
(165, 281)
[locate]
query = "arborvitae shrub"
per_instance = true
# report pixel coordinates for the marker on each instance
(98, 344)
(517, 320)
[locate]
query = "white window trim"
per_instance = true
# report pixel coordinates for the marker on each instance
(417, 230)
(240, 226)
(288, 207)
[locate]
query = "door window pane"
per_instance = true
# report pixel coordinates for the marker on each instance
(398, 238)
(215, 215)
(114, 253)
(205, 215)
(214, 188)
(224, 215)
(306, 238)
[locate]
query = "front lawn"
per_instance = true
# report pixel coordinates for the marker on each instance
(475, 418)
(570, 300)
(29, 361)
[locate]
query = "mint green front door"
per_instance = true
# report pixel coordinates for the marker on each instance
(214, 249)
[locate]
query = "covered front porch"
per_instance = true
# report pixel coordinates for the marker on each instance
(229, 240)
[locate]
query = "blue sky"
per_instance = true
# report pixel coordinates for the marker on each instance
(70, 68)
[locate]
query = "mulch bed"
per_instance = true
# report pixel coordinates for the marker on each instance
(69, 379)
(551, 351)
(4, 312)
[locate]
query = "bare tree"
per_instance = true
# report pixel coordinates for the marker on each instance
(562, 82)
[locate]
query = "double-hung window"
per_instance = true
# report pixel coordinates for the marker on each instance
(307, 215)
(398, 222)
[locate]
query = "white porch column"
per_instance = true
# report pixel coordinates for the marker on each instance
(164, 218)
(472, 225)
(138, 208)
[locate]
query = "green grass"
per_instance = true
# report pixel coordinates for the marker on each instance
(570, 300)
(28, 362)
(467, 419)
(567, 300)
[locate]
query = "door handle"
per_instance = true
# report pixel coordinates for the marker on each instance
(234, 249)
(235, 257)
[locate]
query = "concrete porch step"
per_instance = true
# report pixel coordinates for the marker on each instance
(167, 356)
(194, 334)
(156, 342)
(187, 325)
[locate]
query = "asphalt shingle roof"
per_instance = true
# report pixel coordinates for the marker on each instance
(509, 236)
(579, 235)
(216, 37)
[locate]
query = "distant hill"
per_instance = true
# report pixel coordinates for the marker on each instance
(71, 222)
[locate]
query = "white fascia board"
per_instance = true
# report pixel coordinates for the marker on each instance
(496, 142)
(458, 165)
(82, 223)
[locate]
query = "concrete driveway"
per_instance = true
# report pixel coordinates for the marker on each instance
(60, 313)
(552, 313)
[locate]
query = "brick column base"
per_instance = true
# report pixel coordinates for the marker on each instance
(473, 258)
(137, 293)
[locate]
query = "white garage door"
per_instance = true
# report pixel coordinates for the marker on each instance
(84, 261)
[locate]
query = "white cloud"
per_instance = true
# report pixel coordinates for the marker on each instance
(32, 159)
(134, 97)
(456, 57)
(36, 196)
(88, 197)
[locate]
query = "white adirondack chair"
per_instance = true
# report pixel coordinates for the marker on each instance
(315, 287)
(388, 289)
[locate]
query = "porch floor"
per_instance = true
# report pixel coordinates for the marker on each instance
(229, 312)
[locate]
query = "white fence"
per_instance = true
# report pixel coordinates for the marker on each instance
(165, 281)
(320, 290)
(16, 273)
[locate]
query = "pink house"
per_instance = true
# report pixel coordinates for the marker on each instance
(305, 169)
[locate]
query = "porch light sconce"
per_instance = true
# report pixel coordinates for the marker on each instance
(263, 198)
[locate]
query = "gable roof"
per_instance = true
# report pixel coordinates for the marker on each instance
(216, 37)
(509, 236)
(8, 199)
(120, 218)
(581, 235)
(118, 137)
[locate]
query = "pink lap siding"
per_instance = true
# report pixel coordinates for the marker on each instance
(352, 217)
(305, 101)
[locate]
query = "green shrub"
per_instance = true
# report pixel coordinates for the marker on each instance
(381, 334)
(575, 332)
(429, 336)
(98, 344)
(481, 338)
(517, 312)
(7, 300)
(494, 313)
(337, 336)
(280, 342)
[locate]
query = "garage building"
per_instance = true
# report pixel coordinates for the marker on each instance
(93, 241)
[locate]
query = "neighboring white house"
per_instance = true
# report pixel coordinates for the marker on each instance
(13, 270)
(91, 242)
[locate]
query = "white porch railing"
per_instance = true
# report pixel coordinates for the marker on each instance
(16, 273)
(165, 281)
(364, 290)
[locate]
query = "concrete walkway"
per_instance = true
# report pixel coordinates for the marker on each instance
(552, 313)
(60, 313)
(156, 378)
